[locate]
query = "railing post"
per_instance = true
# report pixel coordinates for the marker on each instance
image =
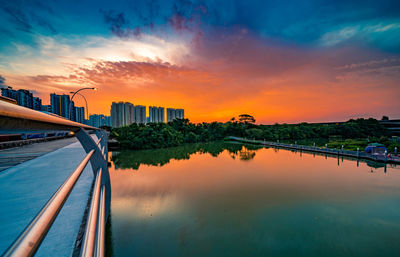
(97, 161)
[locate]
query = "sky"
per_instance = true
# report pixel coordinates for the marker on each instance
(280, 61)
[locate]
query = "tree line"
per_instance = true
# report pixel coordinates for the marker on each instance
(180, 131)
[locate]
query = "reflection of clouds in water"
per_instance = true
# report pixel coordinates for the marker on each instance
(147, 206)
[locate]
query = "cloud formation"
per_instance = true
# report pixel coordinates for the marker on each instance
(2, 82)
(282, 62)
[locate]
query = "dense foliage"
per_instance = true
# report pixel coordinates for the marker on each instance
(179, 131)
(361, 143)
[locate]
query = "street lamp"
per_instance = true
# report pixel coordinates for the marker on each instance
(72, 97)
(84, 98)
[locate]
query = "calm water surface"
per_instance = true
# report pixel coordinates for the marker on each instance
(225, 199)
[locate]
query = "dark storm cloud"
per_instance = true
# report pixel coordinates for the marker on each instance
(26, 15)
(299, 22)
(119, 25)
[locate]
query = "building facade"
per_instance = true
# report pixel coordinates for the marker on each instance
(79, 114)
(99, 120)
(23, 97)
(180, 113)
(37, 104)
(140, 114)
(61, 104)
(156, 114)
(47, 108)
(122, 114)
(173, 114)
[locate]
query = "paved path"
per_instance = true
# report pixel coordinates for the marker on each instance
(26, 187)
(323, 150)
(13, 156)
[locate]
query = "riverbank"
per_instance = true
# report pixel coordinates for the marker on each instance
(324, 150)
(181, 131)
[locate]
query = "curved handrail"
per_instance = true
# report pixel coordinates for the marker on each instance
(31, 238)
(99, 251)
(15, 117)
(89, 241)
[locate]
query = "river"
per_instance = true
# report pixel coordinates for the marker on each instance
(229, 199)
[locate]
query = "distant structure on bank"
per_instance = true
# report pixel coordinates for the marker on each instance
(125, 113)
(156, 114)
(140, 114)
(63, 106)
(99, 120)
(59, 104)
(122, 114)
(79, 114)
(173, 114)
(23, 98)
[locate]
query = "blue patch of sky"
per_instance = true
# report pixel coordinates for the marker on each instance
(300, 22)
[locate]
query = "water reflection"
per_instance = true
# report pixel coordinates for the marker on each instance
(207, 200)
(160, 157)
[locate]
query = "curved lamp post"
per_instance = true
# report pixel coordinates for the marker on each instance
(84, 98)
(76, 92)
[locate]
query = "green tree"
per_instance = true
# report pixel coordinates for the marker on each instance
(246, 118)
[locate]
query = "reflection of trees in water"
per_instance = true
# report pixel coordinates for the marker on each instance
(245, 153)
(160, 157)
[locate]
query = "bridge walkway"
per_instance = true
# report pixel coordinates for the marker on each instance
(16, 155)
(27, 186)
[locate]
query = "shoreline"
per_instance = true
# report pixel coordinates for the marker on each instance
(323, 150)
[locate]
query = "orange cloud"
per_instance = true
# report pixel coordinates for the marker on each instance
(239, 73)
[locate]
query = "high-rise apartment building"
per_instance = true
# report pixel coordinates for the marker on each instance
(156, 114)
(180, 113)
(23, 98)
(140, 114)
(46, 108)
(161, 114)
(152, 114)
(79, 114)
(117, 113)
(173, 114)
(10, 93)
(61, 104)
(98, 120)
(122, 114)
(37, 104)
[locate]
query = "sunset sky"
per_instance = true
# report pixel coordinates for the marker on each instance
(281, 61)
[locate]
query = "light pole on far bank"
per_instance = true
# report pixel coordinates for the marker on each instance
(72, 97)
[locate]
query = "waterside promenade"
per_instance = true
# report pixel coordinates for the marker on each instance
(322, 150)
(27, 186)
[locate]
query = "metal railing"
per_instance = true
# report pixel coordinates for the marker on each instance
(323, 150)
(17, 118)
